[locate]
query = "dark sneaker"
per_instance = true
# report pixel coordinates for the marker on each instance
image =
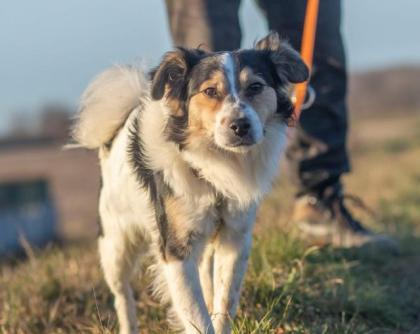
(326, 220)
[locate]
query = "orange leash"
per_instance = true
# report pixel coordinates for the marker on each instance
(307, 53)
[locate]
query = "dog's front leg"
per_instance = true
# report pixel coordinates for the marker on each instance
(206, 276)
(232, 249)
(187, 297)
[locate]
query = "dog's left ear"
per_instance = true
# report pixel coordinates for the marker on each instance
(286, 60)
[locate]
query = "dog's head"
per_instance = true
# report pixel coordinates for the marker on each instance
(227, 99)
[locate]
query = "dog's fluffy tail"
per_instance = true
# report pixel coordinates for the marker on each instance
(106, 104)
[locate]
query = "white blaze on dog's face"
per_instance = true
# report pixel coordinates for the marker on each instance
(228, 99)
(238, 123)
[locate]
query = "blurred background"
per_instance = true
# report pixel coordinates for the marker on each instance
(51, 49)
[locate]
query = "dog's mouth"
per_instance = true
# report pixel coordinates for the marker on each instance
(237, 145)
(248, 141)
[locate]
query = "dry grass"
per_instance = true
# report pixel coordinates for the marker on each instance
(289, 288)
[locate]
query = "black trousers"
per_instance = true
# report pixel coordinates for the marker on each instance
(317, 153)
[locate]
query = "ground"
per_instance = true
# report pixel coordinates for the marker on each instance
(290, 287)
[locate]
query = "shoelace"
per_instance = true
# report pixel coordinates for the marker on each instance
(341, 212)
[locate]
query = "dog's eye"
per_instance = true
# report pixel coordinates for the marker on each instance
(254, 89)
(210, 92)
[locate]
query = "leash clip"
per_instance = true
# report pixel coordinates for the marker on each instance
(309, 98)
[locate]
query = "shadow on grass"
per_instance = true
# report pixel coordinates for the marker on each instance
(294, 289)
(339, 291)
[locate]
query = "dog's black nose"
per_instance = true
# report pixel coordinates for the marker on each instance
(240, 126)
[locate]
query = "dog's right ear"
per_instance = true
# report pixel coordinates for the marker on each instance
(169, 78)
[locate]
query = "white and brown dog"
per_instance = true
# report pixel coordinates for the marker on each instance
(187, 154)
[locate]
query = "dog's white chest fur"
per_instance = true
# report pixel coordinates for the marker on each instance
(198, 176)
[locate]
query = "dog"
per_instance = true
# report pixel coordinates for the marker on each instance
(187, 152)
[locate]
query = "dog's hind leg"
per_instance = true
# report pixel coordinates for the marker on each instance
(118, 262)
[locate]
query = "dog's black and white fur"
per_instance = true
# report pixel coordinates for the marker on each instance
(186, 153)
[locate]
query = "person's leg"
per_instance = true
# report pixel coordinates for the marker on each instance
(209, 24)
(318, 153)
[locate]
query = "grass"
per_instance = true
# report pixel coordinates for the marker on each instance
(290, 287)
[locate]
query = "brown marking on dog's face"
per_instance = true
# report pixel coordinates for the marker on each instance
(264, 102)
(174, 105)
(204, 106)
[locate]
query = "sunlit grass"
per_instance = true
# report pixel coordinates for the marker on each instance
(290, 287)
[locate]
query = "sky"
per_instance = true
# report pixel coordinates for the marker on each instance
(50, 49)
